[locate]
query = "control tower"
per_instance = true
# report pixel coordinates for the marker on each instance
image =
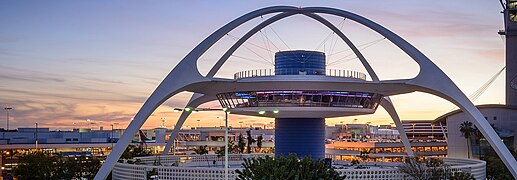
(300, 112)
(510, 32)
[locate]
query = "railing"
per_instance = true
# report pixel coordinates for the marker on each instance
(271, 72)
(473, 166)
(139, 172)
(168, 159)
(193, 170)
(377, 174)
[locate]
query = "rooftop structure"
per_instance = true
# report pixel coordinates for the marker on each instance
(186, 77)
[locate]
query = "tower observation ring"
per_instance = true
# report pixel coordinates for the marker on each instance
(267, 94)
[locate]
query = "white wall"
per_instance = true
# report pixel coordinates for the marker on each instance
(457, 145)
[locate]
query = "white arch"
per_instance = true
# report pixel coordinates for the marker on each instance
(172, 85)
(388, 106)
(248, 35)
(194, 102)
(430, 79)
(257, 28)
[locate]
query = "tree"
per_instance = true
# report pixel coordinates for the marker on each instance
(47, 166)
(250, 141)
(467, 131)
(35, 166)
(202, 150)
(241, 144)
(495, 168)
(287, 168)
(135, 151)
(365, 154)
(259, 142)
(354, 162)
(432, 169)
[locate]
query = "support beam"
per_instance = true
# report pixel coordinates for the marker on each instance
(443, 132)
(388, 106)
(196, 100)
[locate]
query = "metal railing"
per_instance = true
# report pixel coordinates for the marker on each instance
(191, 168)
(271, 72)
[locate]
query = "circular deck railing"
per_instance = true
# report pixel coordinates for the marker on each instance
(191, 167)
(271, 72)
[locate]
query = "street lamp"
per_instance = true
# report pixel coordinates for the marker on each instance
(342, 122)
(36, 136)
(413, 124)
(89, 124)
(226, 112)
(220, 118)
(368, 129)
(112, 136)
(7, 109)
(240, 124)
(391, 129)
(432, 131)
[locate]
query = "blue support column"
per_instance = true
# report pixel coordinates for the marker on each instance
(300, 136)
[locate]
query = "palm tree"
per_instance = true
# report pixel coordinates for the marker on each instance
(250, 141)
(286, 167)
(467, 131)
(241, 144)
(259, 143)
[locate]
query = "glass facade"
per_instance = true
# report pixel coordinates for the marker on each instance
(300, 63)
(512, 10)
(299, 99)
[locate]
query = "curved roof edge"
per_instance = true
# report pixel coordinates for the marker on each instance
(442, 118)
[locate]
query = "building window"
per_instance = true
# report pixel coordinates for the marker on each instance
(486, 118)
(495, 117)
(512, 10)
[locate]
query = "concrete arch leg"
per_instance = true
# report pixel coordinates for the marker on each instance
(388, 106)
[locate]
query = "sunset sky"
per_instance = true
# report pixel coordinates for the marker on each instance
(63, 62)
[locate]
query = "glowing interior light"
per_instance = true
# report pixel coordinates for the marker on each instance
(276, 111)
(262, 112)
(188, 109)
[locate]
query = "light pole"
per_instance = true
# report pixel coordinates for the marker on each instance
(240, 124)
(391, 129)
(413, 124)
(368, 129)
(7, 109)
(36, 136)
(220, 118)
(432, 131)
(342, 130)
(163, 122)
(112, 137)
(198, 123)
(89, 124)
(226, 111)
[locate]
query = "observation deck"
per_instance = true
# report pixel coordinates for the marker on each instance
(271, 72)
(299, 103)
